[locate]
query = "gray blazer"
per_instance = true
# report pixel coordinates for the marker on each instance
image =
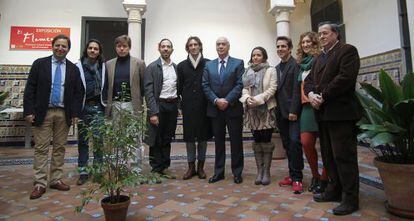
(153, 79)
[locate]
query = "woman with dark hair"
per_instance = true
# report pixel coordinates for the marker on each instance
(308, 49)
(259, 86)
(92, 69)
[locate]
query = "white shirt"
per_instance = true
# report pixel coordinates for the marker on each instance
(169, 83)
(226, 59)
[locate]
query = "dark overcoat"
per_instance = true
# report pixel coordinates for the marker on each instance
(335, 79)
(196, 124)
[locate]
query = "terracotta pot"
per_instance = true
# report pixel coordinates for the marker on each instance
(115, 212)
(279, 153)
(398, 180)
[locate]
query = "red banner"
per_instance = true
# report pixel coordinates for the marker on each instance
(34, 38)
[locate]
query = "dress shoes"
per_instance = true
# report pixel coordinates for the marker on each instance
(345, 208)
(327, 197)
(216, 178)
(59, 185)
(37, 192)
(238, 179)
(83, 178)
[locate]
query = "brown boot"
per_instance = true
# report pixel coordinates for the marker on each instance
(258, 155)
(200, 170)
(267, 161)
(190, 172)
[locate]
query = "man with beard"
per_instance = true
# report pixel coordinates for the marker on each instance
(196, 124)
(160, 83)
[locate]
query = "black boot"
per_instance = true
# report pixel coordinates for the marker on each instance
(314, 184)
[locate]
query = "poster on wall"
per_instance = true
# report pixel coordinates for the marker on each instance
(34, 38)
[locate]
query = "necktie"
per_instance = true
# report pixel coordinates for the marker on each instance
(56, 87)
(222, 68)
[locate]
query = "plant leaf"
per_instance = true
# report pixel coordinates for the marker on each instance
(372, 91)
(405, 110)
(366, 134)
(391, 92)
(382, 139)
(408, 86)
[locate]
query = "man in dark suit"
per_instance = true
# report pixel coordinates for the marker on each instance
(160, 85)
(52, 102)
(287, 112)
(331, 91)
(222, 85)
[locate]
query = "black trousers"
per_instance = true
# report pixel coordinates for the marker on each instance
(262, 136)
(339, 155)
(290, 135)
(160, 153)
(235, 128)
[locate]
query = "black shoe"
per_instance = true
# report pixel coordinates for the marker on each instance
(327, 197)
(83, 178)
(320, 188)
(345, 209)
(238, 179)
(314, 184)
(216, 178)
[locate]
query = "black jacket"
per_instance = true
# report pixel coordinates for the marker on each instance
(38, 87)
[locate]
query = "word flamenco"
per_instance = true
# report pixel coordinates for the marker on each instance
(32, 38)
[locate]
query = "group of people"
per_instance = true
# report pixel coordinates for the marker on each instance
(304, 98)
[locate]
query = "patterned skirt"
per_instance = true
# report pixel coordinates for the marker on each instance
(259, 120)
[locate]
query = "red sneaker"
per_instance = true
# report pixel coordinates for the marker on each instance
(286, 182)
(297, 187)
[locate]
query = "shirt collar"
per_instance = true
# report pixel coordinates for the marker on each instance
(326, 52)
(163, 62)
(54, 60)
(225, 59)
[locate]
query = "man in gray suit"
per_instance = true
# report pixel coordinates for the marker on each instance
(160, 83)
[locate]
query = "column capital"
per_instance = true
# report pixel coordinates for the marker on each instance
(135, 9)
(278, 7)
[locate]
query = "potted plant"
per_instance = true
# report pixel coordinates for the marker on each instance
(389, 129)
(117, 140)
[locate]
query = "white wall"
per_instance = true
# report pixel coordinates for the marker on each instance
(47, 13)
(246, 23)
(300, 22)
(372, 26)
(410, 10)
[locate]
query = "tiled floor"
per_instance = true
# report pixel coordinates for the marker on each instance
(194, 199)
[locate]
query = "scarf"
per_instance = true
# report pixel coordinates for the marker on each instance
(253, 80)
(195, 62)
(305, 66)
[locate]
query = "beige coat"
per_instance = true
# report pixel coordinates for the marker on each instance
(137, 69)
(269, 89)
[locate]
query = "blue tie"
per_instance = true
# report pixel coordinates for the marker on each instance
(56, 87)
(222, 68)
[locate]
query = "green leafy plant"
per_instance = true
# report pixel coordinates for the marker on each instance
(388, 125)
(117, 140)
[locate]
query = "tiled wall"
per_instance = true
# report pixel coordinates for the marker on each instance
(390, 61)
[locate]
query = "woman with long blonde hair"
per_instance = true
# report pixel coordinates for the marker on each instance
(308, 49)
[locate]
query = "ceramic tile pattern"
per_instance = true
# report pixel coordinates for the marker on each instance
(192, 199)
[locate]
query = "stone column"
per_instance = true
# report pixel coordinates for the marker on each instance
(281, 10)
(135, 10)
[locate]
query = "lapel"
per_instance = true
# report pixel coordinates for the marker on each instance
(48, 76)
(132, 70)
(67, 77)
(214, 70)
(331, 54)
(282, 74)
